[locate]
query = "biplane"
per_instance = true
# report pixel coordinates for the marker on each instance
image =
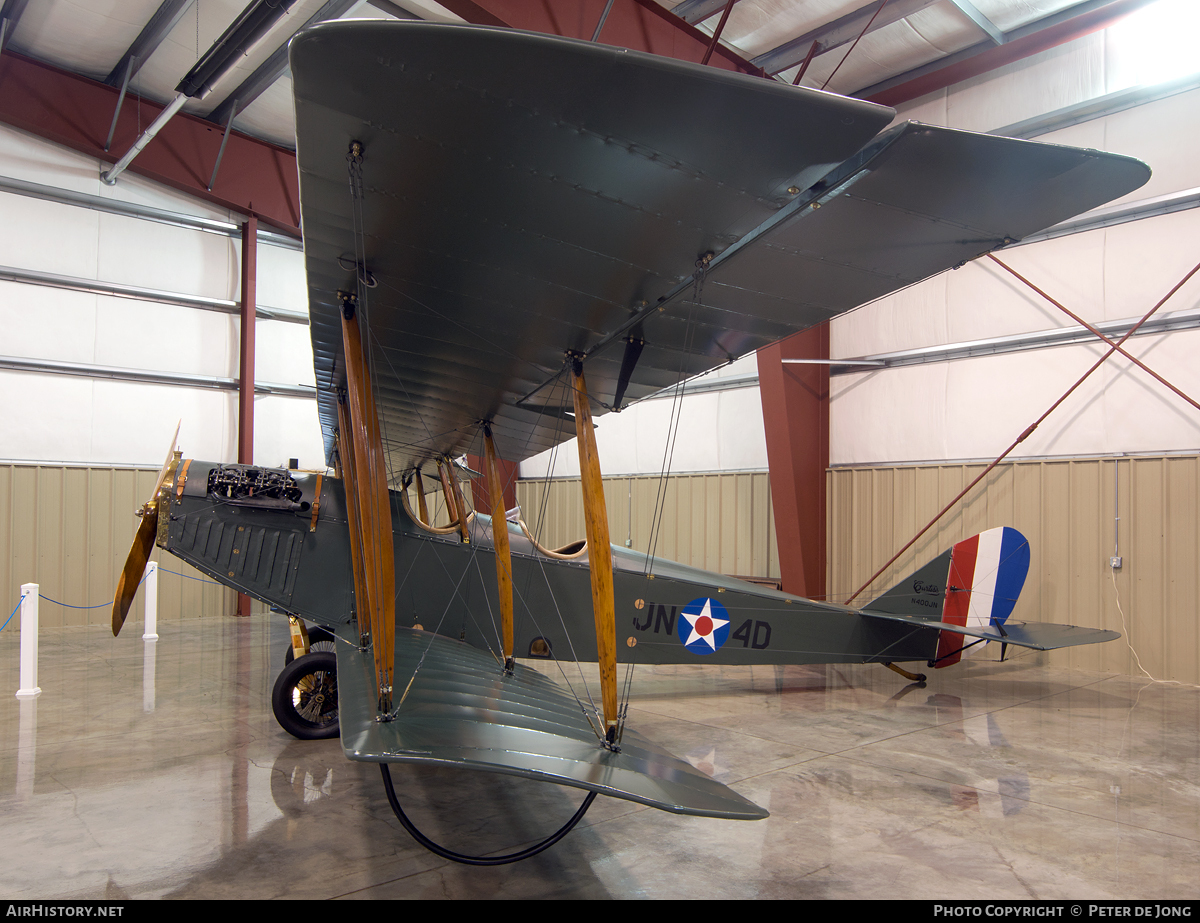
(506, 234)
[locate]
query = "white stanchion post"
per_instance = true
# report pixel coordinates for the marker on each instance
(150, 632)
(29, 642)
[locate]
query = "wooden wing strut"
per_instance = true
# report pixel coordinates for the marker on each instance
(349, 469)
(367, 475)
(421, 505)
(500, 540)
(599, 550)
(455, 504)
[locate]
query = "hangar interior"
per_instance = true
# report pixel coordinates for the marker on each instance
(156, 769)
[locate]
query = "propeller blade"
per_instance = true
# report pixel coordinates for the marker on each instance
(135, 566)
(143, 544)
(165, 469)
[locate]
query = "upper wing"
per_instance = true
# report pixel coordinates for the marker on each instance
(521, 196)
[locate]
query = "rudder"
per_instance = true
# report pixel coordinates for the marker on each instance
(987, 572)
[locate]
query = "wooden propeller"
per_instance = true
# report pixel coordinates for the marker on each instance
(143, 544)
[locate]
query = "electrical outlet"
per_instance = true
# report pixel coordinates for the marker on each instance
(1114, 562)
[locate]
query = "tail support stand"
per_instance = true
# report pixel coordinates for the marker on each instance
(911, 677)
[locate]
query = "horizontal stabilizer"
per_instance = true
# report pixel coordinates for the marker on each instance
(460, 710)
(1041, 636)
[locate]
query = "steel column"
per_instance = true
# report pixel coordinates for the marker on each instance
(249, 320)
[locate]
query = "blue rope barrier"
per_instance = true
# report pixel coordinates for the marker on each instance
(69, 606)
(104, 604)
(189, 576)
(10, 618)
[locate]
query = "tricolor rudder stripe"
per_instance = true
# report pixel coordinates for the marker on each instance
(987, 572)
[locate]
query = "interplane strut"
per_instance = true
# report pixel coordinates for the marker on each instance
(599, 550)
(374, 506)
(504, 580)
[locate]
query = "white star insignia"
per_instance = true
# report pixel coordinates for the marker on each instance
(693, 619)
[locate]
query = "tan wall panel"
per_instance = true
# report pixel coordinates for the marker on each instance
(68, 529)
(720, 522)
(1067, 509)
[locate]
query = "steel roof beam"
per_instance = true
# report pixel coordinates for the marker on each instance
(972, 12)
(273, 68)
(1097, 107)
(839, 32)
(251, 24)
(642, 25)
(694, 11)
(260, 177)
(10, 13)
(1048, 32)
(165, 18)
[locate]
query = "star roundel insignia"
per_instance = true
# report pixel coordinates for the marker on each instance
(704, 625)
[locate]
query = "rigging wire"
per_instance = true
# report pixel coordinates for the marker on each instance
(660, 499)
(538, 536)
(866, 29)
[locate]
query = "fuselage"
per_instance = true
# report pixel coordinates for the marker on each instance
(282, 537)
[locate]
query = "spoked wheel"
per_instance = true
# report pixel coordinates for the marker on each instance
(319, 639)
(305, 699)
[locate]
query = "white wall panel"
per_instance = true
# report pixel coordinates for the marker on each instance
(281, 281)
(163, 337)
(718, 431)
(25, 157)
(1051, 80)
(973, 409)
(132, 420)
(137, 252)
(72, 419)
(1160, 133)
(48, 237)
(46, 417)
(47, 323)
(283, 353)
(1149, 258)
(1112, 274)
(287, 428)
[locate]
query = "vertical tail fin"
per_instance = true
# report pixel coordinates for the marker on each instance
(987, 572)
(976, 583)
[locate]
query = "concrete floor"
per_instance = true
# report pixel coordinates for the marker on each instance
(158, 771)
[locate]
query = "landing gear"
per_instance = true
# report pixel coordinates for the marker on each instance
(305, 699)
(319, 639)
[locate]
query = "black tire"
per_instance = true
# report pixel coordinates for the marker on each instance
(305, 697)
(319, 639)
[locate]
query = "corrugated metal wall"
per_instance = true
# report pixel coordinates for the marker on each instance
(68, 529)
(1068, 510)
(720, 522)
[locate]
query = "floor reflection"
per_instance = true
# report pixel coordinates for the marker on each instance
(157, 770)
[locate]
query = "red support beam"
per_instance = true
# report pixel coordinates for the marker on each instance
(642, 25)
(246, 358)
(509, 472)
(795, 402)
(256, 178)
